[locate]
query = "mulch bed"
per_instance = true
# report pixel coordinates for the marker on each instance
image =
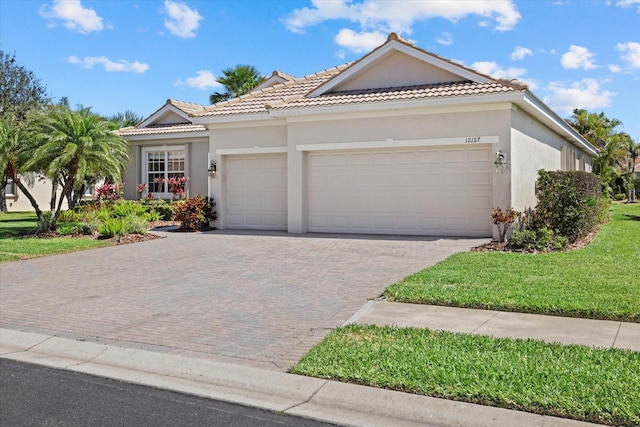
(494, 246)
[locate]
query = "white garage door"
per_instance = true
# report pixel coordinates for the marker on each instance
(434, 191)
(257, 192)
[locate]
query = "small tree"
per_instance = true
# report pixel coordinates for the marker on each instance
(503, 220)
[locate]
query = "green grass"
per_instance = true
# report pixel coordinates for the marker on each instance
(600, 281)
(16, 243)
(597, 385)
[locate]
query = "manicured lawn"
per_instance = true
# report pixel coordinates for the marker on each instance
(598, 385)
(15, 243)
(601, 281)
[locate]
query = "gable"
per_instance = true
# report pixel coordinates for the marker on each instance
(170, 117)
(398, 69)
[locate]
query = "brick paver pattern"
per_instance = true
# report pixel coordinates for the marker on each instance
(255, 299)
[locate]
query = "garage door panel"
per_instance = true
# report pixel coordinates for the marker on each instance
(430, 191)
(257, 192)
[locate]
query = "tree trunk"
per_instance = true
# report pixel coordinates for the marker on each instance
(3, 195)
(30, 197)
(54, 194)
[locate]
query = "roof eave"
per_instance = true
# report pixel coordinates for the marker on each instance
(542, 112)
(173, 135)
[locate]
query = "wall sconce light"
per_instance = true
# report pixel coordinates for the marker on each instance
(501, 162)
(213, 168)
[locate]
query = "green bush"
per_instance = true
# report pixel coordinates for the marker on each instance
(620, 196)
(162, 207)
(568, 203)
(135, 224)
(127, 208)
(152, 215)
(195, 213)
(113, 227)
(541, 239)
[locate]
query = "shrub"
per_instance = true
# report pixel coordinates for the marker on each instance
(162, 207)
(540, 240)
(503, 220)
(135, 225)
(113, 227)
(569, 203)
(107, 192)
(620, 196)
(127, 208)
(195, 213)
(152, 215)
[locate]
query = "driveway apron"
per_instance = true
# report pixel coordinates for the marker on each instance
(255, 299)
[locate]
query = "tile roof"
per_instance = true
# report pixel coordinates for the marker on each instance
(369, 96)
(261, 100)
(160, 129)
(187, 107)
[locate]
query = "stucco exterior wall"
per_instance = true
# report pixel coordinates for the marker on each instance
(248, 136)
(197, 163)
(41, 191)
(533, 147)
(399, 69)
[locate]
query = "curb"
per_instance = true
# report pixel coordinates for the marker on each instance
(323, 400)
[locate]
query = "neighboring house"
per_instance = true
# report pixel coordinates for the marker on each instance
(399, 142)
(40, 190)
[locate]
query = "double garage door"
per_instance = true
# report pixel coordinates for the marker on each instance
(425, 191)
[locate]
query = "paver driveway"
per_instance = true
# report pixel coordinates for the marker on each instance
(258, 299)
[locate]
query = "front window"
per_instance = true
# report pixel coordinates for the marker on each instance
(160, 164)
(10, 188)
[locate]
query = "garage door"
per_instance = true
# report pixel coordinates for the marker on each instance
(434, 191)
(257, 192)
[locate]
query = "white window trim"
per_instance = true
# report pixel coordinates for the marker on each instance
(145, 166)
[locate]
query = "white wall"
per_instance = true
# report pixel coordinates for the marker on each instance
(41, 191)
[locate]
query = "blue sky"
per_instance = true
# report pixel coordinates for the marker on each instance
(133, 55)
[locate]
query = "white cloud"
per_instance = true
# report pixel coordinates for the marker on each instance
(359, 42)
(494, 70)
(630, 53)
(204, 80)
(383, 16)
(585, 93)
(578, 57)
(520, 53)
(183, 21)
(109, 65)
(615, 68)
(627, 3)
(445, 39)
(74, 16)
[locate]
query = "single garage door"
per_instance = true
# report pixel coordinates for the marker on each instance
(257, 192)
(442, 191)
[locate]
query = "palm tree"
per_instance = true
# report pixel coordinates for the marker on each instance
(237, 81)
(13, 154)
(632, 154)
(126, 119)
(593, 127)
(75, 145)
(609, 164)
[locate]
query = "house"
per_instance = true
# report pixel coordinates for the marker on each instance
(40, 189)
(401, 141)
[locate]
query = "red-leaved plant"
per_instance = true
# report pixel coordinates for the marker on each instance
(107, 192)
(176, 185)
(195, 213)
(503, 220)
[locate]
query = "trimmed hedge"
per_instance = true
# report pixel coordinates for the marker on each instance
(570, 203)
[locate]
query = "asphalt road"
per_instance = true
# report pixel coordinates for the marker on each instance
(32, 395)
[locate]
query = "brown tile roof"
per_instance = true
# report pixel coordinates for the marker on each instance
(261, 100)
(160, 129)
(369, 96)
(187, 107)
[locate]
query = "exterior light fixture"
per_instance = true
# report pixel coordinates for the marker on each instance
(213, 168)
(501, 162)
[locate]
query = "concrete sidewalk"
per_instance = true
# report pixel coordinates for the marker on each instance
(565, 330)
(329, 401)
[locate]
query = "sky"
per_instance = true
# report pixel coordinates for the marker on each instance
(118, 55)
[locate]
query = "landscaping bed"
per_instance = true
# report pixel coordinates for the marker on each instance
(572, 381)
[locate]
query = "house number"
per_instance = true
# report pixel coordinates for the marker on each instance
(471, 139)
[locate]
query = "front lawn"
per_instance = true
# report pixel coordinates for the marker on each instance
(597, 385)
(600, 281)
(16, 242)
